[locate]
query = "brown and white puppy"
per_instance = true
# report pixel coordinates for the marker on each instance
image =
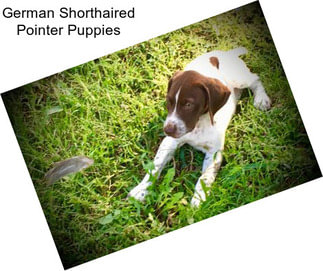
(201, 101)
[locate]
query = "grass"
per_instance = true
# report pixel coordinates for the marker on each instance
(112, 110)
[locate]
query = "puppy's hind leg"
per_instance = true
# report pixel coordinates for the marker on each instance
(164, 154)
(211, 166)
(239, 76)
(261, 99)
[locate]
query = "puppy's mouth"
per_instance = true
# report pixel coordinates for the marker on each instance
(175, 127)
(175, 135)
(175, 132)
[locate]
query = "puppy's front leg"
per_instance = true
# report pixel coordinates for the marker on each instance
(211, 166)
(164, 154)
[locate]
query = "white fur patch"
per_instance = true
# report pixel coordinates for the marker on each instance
(174, 119)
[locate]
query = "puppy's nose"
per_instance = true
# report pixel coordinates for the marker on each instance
(170, 129)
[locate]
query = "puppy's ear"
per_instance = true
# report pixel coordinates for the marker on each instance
(171, 81)
(217, 96)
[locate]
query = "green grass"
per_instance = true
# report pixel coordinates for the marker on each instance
(112, 110)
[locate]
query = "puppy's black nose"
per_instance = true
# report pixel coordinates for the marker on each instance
(170, 129)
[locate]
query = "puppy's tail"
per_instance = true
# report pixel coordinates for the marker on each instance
(238, 51)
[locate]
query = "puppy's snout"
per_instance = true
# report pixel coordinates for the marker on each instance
(170, 129)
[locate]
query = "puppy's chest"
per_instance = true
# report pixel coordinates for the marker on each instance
(205, 138)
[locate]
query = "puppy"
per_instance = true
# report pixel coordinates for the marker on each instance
(201, 101)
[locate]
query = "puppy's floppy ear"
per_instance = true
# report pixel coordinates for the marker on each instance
(217, 95)
(170, 82)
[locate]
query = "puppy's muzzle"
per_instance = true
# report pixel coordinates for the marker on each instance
(170, 129)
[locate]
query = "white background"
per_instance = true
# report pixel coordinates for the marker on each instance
(281, 232)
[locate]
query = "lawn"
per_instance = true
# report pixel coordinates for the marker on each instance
(112, 110)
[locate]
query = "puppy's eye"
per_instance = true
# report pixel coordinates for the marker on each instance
(188, 105)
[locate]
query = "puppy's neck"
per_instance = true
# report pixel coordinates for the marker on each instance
(203, 121)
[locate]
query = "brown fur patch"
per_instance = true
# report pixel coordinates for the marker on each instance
(215, 61)
(198, 95)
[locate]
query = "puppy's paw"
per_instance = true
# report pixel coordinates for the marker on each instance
(139, 193)
(197, 199)
(262, 102)
(195, 202)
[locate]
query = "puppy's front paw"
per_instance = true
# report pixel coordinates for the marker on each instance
(195, 202)
(262, 102)
(139, 193)
(198, 198)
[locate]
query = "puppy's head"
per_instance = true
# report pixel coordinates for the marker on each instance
(189, 96)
